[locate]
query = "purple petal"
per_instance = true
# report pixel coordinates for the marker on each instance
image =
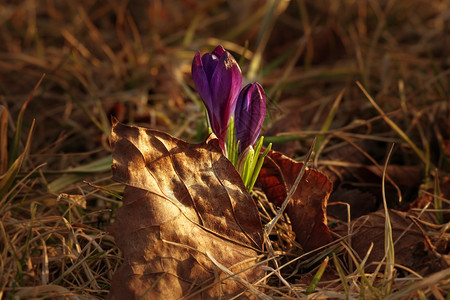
(218, 80)
(249, 115)
(201, 82)
(219, 51)
(226, 83)
(209, 62)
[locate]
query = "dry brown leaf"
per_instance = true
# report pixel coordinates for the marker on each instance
(346, 154)
(410, 249)
(408, 176)
(182, 202)
(424, 199)
(307, 207)
(289, 122)
(360, 202)
(446, 146)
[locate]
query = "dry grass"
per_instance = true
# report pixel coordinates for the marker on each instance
(132, 59)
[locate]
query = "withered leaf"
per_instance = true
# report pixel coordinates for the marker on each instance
(410, 249)
(361, 203)
(410, 176)
(425, 198)
(446, 146)
(347, 154)
(307, 207)
(289, 122)
(182, 202)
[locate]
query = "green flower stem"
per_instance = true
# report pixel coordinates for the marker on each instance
(247, 166)
(258, 168)
(258, 146)
(231, 143)
(250, 161)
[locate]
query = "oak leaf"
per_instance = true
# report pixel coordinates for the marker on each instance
(183, 204)
(307, 207)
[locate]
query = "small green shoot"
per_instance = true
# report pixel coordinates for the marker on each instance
(14, 150)
(318, 276)
(388, 239)
(250, 162)
(437, 199)
(78, 173)
(231, 145)
(342, 275)
(258, 167)
(8, 178)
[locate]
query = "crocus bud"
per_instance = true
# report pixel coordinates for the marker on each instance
(249, 114)
(218, 80)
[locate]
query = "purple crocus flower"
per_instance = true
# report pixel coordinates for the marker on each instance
(249, 114)
(218, 80)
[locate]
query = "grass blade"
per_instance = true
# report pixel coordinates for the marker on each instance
(258, 167)
(342, 275)
(8, 178)
(269, 226)
(317, 277)
(275, 8)
(394, 126)
(326, 125)
(14, 151)
(437, 199)
(388, 240)
(77, 174)
(3, 139)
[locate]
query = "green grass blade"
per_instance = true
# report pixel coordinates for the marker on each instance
(289, 68)
(360, 267)
(437, 198)
(278, 61)
(246, 171)
(14, 150)
(104, 120)
(185, 87)
(243, 26)
(244, 52)
(257, 153)
(99, 165)
(326, 125)
(258, 167)
(77, 174)
(190, 32)
(8, 178)
(394, 126)
(231, 142)
(274, 10)
(19, 273)
(388, 239)
(342, 275)
(317, 277)
(86, 111)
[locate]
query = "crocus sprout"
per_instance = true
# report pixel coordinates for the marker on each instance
(218, 80)
(249, 115)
